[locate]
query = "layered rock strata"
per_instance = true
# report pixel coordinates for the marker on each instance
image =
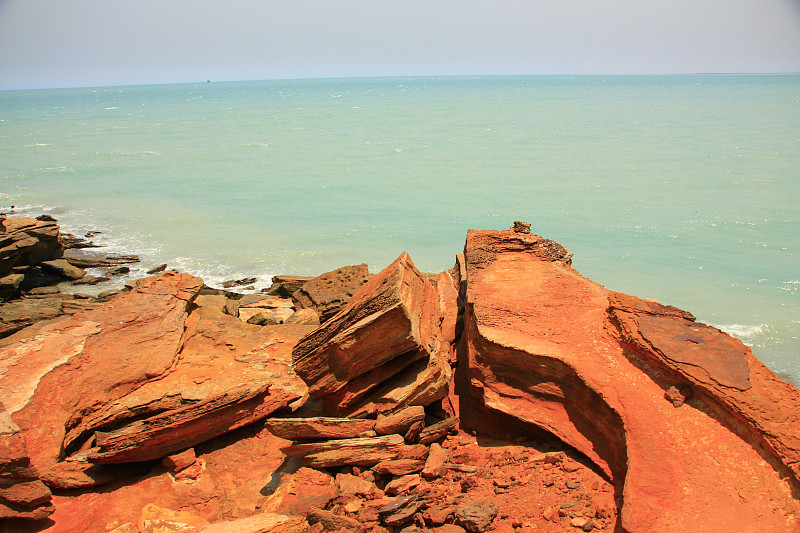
(691, 431)
(384, 350)
(327, 293)
(27, 241)
(544, 345)
(142, 377)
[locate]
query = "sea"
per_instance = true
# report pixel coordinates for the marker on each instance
(682, 188)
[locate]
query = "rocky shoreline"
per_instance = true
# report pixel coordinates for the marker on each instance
(507, 394)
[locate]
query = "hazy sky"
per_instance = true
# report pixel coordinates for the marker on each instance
(64, 43)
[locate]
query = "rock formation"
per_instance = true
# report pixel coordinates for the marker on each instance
(423, 402)
(382, 351)
(327, 293)
(27, 241)
(139, 379)
(552, 348)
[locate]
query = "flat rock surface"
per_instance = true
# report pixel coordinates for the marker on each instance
(319, 428)
(86, 258)
(744, 394)
(542, 350)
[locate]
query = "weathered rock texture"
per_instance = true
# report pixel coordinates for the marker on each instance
(552, 348)
(691, 431)
(144, 376)
(384, 350)
(236, 467)
(83, 258)
(22, 494)
(329, 292)
(27, 241)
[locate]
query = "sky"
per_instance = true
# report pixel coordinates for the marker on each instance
(87, 43)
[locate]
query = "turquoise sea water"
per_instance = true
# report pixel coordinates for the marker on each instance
(681, 188)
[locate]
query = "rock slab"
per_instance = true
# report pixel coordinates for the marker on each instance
(544, 348)
(382, 351)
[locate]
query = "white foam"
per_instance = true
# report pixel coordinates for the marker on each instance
(745, 333)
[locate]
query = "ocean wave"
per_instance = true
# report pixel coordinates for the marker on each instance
(745, 333)
(254, 145)
(31, 211)
(134, 153)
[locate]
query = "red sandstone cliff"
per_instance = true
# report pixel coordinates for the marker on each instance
(677, 426)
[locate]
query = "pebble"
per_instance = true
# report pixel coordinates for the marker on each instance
(573, 484)
(579, 522)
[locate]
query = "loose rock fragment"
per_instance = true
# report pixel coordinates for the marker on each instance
(437, 430)
(476, 517)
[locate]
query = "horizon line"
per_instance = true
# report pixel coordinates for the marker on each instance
(311, 78)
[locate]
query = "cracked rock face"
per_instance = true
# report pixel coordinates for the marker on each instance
(144, 376)
(384, 350)
(27, 241)
(552, 348)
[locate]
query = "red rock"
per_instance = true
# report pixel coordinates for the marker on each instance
(299, 492)
(179, 461)
(398, 467)
(64, 268)
(438, 514)
(265, 301)
(549, 347)
(329, 292)
(60, 370)
(27, 241)
(449, 528)
(331, 521)
(192, 471)
(362, 452)
(83, 258)
(307, 317)
(155, 519)
(319, 428)
(435, 463)
(476, 516)
(401, 511)
(447, 292)
(19, 314)
(259, 523)
(349, 446)
(677, 395)
(350, 485)
(237, 467)
(412, 435)
(285, 286)
(251, 381)
(383, 351)
(156, 400)
(10, 286)
(400, 421)
(743, 394)
(438, 430)
(402, 484)
(264, 316)
(22, 494)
